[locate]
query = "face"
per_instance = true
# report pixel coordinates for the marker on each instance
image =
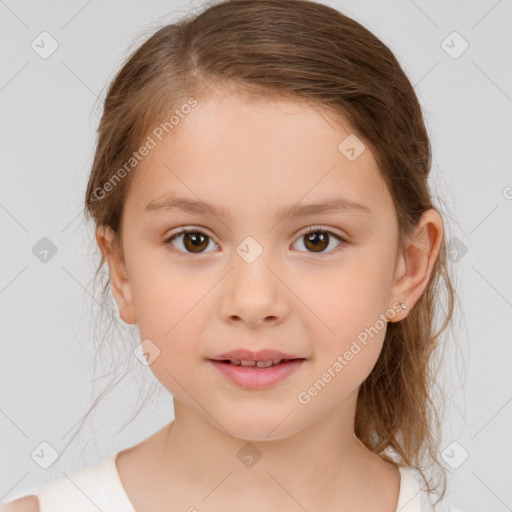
(250, 276)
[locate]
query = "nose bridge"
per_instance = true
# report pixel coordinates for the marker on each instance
(252, 261)
(253, 291)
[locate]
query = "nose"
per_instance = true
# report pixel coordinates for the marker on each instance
(254, 295)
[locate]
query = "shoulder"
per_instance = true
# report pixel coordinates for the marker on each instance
(414, 498)
(24, 504)
(428, 504)
(92, 488)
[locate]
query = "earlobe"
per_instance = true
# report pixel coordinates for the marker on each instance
(416, 263)
(119, 280)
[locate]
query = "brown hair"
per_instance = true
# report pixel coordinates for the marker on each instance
(310, 52)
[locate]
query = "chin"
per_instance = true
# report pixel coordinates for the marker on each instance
(260, 426)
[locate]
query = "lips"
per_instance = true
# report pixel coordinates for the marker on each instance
(253, 370)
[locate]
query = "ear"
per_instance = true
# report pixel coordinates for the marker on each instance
(119, 281)
(415, 264)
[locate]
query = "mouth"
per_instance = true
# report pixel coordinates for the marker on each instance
(257, 364)
(250, 374)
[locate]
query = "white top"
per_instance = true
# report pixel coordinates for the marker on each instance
(99, 487)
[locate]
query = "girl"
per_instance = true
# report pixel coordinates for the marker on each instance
(260, 195)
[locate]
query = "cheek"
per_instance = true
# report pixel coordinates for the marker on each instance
(367, 280)
(344, 361)
(346, 298)
(350, 315)
(171, 310)
(163, 290)
(169, 320)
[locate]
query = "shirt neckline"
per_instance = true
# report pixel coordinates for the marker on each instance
(408, 497)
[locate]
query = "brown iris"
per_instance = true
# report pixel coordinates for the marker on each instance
(197, 241)
(318, 240)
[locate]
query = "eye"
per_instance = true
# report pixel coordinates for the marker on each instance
(194, 241)
(317, 239)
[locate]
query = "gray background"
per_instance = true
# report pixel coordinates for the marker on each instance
(50, 109)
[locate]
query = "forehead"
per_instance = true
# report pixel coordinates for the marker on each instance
(238, 152)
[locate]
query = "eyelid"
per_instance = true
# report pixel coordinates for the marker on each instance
(322, 227)
(316, 227)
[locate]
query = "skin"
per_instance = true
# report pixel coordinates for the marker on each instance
(253, 159)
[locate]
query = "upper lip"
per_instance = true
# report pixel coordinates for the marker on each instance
(249, 355)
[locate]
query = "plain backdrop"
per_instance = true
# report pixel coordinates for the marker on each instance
(456, 54)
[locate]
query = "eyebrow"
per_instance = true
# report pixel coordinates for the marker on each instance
(328, 204)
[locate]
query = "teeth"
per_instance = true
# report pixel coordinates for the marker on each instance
(264, 364)
(259, 364)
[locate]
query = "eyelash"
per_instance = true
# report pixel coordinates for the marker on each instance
(311, 229)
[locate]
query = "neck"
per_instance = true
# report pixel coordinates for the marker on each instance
(193, 462)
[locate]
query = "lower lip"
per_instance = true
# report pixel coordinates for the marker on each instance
(252, 377)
